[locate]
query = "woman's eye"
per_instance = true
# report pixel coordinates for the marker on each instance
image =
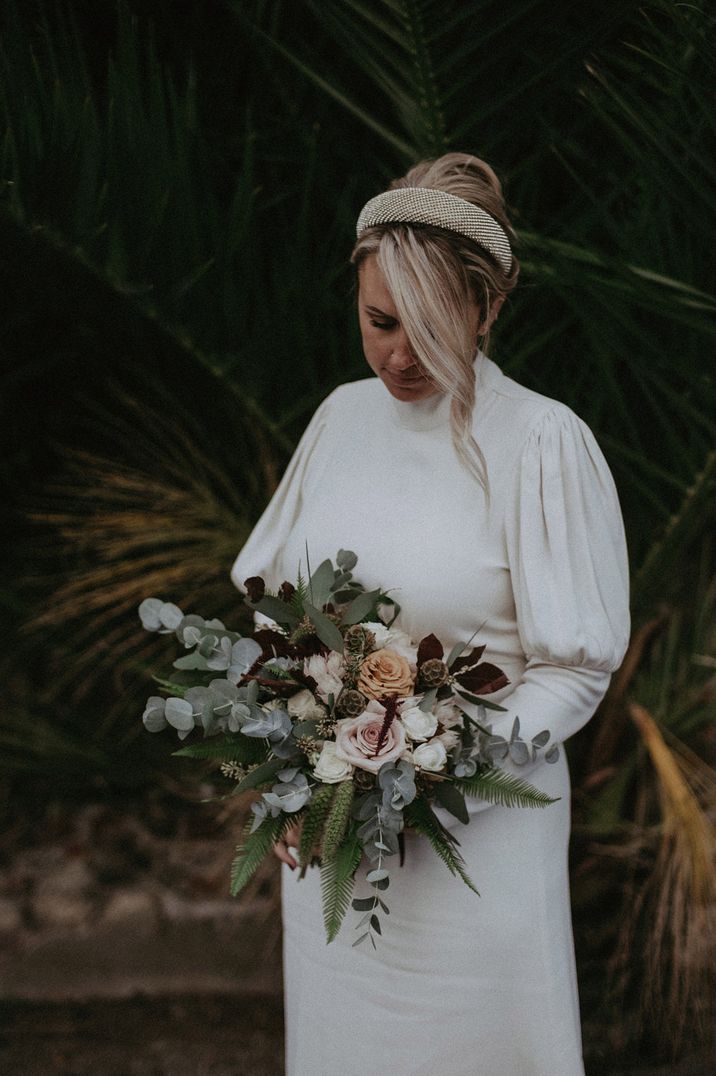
(383, 324)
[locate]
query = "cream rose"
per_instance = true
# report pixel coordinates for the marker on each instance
(304, 706)
(357, 739)
(418, 724)
(393, 639)
(329, 767)
(430, 756)
(327, 672)
(385, 673)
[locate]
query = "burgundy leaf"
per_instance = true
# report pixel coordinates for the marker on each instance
(255, 588)
(429, 647)
(303, 678)
(467, 659)
(484, 679)
(278, 687)
(273, 644)
(286, 592)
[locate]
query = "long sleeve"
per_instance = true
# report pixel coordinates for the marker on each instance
(568, 561)
(260, 553)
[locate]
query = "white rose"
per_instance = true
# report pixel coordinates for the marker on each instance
(430, 756)
(327, 672)
(304, 706)
(418, 724)
(393, 639)
(448, 713)
(329, 768)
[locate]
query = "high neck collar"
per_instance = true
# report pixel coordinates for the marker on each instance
(434, 410)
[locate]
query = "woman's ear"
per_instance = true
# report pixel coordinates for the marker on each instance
(495, 307)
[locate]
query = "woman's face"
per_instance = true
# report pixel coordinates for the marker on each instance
(385, 344)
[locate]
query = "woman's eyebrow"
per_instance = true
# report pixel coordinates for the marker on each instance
(377, 310)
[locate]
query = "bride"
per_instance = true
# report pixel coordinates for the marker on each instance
(485, 504)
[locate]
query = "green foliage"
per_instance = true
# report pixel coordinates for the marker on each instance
(420, 815)
(313, 821)
(263, 774)
(497, 786)
(222, 749)
(337, 879)
(254, 848)
(338, 818)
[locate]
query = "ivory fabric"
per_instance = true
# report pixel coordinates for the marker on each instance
(460, 985)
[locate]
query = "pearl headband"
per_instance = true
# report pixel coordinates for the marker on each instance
(423, 205)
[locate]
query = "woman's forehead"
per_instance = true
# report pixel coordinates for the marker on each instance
(372, 285)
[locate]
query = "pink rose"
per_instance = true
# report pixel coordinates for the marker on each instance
(357, 738)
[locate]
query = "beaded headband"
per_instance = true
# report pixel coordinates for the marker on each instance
(423, 205)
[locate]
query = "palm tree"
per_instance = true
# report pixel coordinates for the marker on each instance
(175, 233)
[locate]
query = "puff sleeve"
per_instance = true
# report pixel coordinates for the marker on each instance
(568, 562)
(261, 551)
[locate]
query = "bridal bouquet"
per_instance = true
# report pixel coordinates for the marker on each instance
(339, 720)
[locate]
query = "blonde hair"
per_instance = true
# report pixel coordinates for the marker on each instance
(434, 275)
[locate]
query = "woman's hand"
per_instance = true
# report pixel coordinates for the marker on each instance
(291, 837)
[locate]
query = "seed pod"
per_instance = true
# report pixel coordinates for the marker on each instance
(434, 673)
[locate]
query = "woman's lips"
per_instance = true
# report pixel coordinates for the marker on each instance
(416, 379)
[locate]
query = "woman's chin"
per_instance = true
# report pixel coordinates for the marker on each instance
(409, 391)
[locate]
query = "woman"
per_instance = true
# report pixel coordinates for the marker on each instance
(489, 506)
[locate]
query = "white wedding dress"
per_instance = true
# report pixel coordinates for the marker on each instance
(460, 985)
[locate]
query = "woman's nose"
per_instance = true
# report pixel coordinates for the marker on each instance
(401, 355)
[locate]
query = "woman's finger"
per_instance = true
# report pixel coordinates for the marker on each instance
(280, 849)
(291, 837)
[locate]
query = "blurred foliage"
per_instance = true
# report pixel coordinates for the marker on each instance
(178, 192)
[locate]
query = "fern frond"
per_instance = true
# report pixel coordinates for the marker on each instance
(225, 750)
(301, 595)
(254, 847)
(337, 878)
(338, 819)
(497, 786)
(420, 815)
(313, 820)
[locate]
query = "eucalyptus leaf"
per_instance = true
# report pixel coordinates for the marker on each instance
(326, 630)
(346, 560)
(428, 700)
(179, 714)
(478, 701)
(263, 773)
(376, 875)
(519, 752)
(362, 904)
(276, 610)
(360, 607)
(452, 799)
(191, 661)
(321, 584)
